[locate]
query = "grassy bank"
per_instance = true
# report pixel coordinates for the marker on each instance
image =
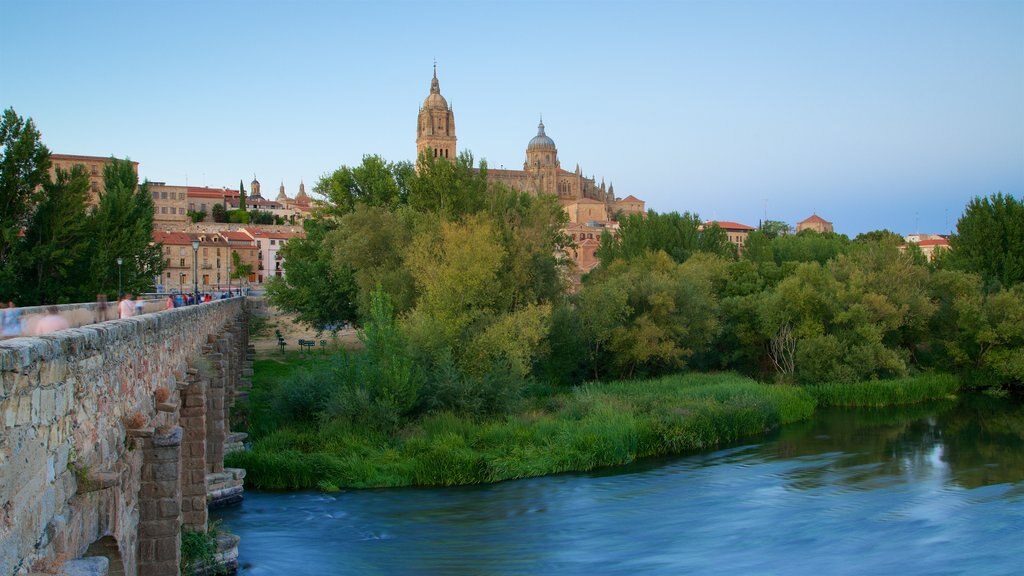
(878, 393)
(579, 429)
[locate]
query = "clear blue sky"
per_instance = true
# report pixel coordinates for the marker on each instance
(871, 114)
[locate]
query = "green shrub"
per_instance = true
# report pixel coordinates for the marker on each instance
(199, 549)
(910, 390)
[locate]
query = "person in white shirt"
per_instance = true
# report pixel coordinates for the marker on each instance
(126, 307)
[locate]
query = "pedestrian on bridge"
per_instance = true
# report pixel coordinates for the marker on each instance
(11, 321)
(126, 307)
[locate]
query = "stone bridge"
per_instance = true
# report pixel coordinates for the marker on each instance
(111, 436)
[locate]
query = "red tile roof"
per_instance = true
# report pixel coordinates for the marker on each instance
(235, 236)
(729, 225)
(937, 242)
(172, 238)
(816, 220)
(631, 198)
(196, 192)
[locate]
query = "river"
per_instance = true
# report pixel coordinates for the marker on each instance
(936, 490)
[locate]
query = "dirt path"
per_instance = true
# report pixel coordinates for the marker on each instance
(266, 341)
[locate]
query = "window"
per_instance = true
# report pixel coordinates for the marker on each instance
(156, 195)
(163, 195)
(181, 263)
(181, 210)
(94, 172)
(163, 209)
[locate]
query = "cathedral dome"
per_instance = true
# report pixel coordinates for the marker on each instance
(541, 140)
(435, 100)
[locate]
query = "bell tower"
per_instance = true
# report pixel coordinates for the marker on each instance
(435, 127)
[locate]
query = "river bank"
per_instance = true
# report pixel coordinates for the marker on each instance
(571, 430)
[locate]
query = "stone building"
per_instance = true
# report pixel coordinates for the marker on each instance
(93, 167)
(736, 232)
(169, 202)
(816, 223)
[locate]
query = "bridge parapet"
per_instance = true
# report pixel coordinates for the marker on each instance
(73, 467)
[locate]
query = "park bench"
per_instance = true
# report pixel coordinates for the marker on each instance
(306, 345)
(280, 341)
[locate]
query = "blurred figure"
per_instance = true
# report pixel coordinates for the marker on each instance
(52, 322)
(170, 302)
(126, 307)
(101, 308)
(139, 304)
(11, 321)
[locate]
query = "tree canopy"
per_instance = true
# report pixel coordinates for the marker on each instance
(989, 239)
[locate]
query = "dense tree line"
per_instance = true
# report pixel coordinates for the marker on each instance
(53, 248)
(468, 279)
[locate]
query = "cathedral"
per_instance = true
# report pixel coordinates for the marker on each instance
(591, 207)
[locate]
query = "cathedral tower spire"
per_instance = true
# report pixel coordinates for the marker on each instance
(435, 127)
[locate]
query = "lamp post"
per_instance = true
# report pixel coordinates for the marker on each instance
(119, 262)
(181, 284)
(229, 281)
(195, 270)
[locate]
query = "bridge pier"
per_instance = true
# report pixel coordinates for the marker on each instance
(193, 452)
(159, 551)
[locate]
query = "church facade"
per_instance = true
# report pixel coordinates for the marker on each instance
(591, 207)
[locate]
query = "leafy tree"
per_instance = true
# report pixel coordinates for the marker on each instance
(238, 217)
(122, 226)
(990, 240)
(55, 242)
(772, 229)
(448, 189)
(530, 228)
(370, 243)
(320, 294)
(24, 168)
(758, 248)
(455, 267)
(977, 334)
(809, 246)
(261, 217)
(239, 271)
(201, 215)
(676, 235)
(219, 213)
(375, 182)
(879, 236)
(649, 315)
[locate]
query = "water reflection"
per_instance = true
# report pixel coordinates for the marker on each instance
(936, 490)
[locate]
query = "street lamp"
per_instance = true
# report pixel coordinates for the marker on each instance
(119, 262)
(195, 270)
(181, 284)
(229, 281)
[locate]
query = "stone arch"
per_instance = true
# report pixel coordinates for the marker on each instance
(107, 547)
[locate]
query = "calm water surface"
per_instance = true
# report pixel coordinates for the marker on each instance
(928, 490)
